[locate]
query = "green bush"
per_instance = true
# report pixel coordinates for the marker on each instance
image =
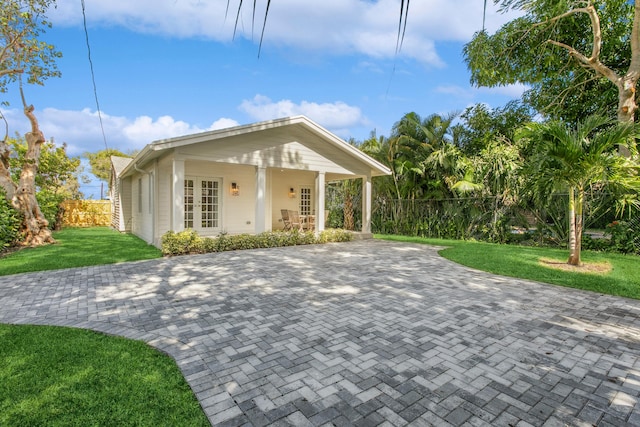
(188, 241)
(50, 207)
(625, 236)
(181, 243)
(10, 221)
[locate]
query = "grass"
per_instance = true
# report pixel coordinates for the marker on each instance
(524, 262)
(57, 376)
(79, 247)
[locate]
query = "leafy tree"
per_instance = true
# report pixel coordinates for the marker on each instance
(100, 162)
(58, 173)
(576, 160)
(428, 153)
(58, 177)
(482, 126)
(23, 56)
(578, 56)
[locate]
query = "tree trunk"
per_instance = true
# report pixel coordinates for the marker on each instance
(23, 195)
(574, 253)
(576, 206)
(627, 99)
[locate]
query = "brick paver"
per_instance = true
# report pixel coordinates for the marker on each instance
(362, 333)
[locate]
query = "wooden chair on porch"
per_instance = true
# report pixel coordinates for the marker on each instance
(285, 219)
(310, 222)
(294, 220)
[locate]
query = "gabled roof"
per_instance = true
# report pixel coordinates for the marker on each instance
(119, 164)
(274, 130)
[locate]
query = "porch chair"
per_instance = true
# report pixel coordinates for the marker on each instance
(285, 219)
(310, 222)
(294, 220)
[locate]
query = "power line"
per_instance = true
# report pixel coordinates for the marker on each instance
(93, 77)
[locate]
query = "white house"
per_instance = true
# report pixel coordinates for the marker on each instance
(235, 180)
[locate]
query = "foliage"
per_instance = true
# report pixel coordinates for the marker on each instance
(25, 57)
(9, 224)
(57, 178)
(22, 23)
(624, 236)
(79, 247)
(546, 49)
(71, 377)
(57, 172)
(575, 160)
(482, 126)
(189, 242)
(50, 205)
(100, 162)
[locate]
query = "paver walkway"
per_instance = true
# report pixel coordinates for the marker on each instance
(361, 333)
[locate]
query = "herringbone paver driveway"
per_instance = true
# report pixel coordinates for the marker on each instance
(360, 333)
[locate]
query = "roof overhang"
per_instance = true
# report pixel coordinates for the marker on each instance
(281, 130)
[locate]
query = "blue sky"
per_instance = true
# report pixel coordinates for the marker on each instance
(165, 68)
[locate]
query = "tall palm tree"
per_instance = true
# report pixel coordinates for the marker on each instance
(436, 167)
(577, 159)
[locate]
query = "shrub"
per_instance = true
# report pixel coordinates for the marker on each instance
(181, 243)
(50, 206)
(188, 241)
(10, 221)
(625, 236)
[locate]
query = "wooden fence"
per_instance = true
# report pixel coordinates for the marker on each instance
(86, 213)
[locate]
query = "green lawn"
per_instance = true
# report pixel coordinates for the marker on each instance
(79, 247)
(53, 376)
(523, 262)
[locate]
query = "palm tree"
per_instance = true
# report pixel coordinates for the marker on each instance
(578, 159)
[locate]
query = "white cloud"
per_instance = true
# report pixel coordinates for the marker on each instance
(329, 26)
(337, 117)
(82, 132)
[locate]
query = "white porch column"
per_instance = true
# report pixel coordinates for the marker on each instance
(320, 182)
(177, 206)
(261, 199)
(366, 204)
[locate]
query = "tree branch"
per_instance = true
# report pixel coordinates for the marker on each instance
(634, 67)
(11, 71)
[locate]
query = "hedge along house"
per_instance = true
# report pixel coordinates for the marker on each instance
(236, 180)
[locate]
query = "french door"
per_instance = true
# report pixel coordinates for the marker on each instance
(202, 199)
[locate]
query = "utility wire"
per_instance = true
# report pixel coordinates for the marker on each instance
(93, 77)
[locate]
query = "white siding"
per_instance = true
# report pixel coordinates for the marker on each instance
(292, 155)
(142, 221)
(126, 211)
(165, 183)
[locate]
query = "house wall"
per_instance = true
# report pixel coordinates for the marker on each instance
(125, 217)
(114, 196)
(292, 155)
(164, 181)
(142, 203)
(281, 183)
(237, 212)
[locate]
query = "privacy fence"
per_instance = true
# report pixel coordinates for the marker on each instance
(86, 213)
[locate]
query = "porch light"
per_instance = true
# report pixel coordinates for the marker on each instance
(235, 189)
(292, 193)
